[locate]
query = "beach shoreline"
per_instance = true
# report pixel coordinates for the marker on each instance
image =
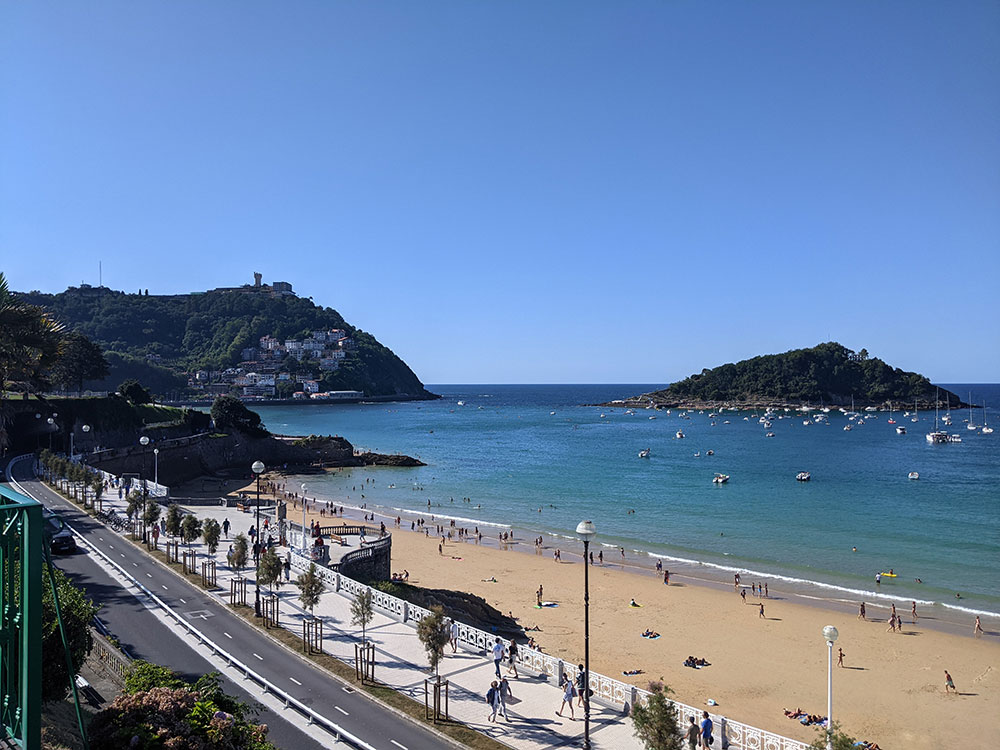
(759, 665)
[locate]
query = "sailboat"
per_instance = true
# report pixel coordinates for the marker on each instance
(938, 436)
(914, 411)
(987, 430)
(971, 425)
(946, 419)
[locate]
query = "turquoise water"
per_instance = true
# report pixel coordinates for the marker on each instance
(506, 451)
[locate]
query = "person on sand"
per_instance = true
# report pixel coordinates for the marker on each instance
(949, 684)
(706, 731)
(568, 691)
(913, 612)
(692, 734)
(861, 612)
(979, 628)
(633, 603)
(840, 657)
(892, 623)
(600, 556)
(761, 611)
(743, 595)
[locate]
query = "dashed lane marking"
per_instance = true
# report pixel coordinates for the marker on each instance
(295, 681)
(149, 575)
(398, 745)
(259, 657)
(183, 602)
(226, 634)
(342, 710)
(163, 587)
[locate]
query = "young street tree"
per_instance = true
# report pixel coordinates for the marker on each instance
(238, 557)
(434, 636)
(134, 504)
(151, 513)
(190, 529)
(97, 485)
(173, 520)
(269, 569)
(654, 720)
(310, 587)
(362, 612)
(211, 532)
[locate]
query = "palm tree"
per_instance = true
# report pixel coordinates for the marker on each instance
(31, 344)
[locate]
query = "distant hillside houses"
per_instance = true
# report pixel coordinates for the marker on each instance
(287, 368)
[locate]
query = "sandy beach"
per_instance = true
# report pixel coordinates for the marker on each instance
(890, 690)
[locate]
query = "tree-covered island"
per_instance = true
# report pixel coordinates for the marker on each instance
(826, 375)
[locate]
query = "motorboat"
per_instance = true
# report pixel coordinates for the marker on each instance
(803, 476)
(679, 435)
(913, 475)
(900, 430)
(644, 453)
(769, 434)
(847, 428)
(710, 453)
(955, 438)
(720, 479)
(461, 403)
(938, 437)
(698, 454)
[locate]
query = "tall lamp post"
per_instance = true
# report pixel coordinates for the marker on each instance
(830, 635)
(144, 442)
(156, 466)
(52, 427)
(586, 531)
(304, 518)
(258, 469)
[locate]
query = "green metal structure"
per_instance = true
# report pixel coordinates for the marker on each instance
(21, 553)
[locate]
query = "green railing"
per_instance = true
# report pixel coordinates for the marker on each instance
(21, 552)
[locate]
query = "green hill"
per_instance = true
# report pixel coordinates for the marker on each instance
(158, 339)
(828, 374)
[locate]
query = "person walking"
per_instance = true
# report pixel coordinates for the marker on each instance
(505, 694)
(225, 528)
(949, 684)
(840, 657)
(761, 611)
(580, 684)
(498, 652)
(288, 566)
(493, 701)
(861, 612)
(453, 635)
(706, 731)
(512, 658)
(692, 734)
(979, 628)
(568, 691)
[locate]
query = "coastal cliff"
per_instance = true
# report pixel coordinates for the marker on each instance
(826, 375)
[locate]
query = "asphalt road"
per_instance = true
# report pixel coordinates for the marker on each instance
(146, 637)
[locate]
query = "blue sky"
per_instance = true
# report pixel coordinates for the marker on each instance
(526, 191)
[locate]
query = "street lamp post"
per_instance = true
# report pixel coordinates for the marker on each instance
(258, 469)
(144, 442)
(86, 430)
(830, 635)
(303, 518)
(52, 426)
(156, 466)
(586, 531)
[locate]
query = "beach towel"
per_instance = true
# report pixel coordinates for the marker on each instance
(634, 605)
(546, 604)
(651, 637)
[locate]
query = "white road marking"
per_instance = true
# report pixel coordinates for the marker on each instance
(259, 657)
(122, 554)
(183, 602)
(111, 546)
(135, 565)
(398, 745)
(149, 575)
(163, 587)
(295, 681)
(342, 710)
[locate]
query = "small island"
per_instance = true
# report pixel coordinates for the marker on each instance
(829, 374)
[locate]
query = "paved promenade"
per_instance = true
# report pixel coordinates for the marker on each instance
(401, 663)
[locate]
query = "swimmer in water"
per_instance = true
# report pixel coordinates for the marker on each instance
(854, 549)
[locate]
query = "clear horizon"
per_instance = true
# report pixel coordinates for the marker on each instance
(515, 192)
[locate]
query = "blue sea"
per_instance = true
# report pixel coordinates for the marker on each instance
(535, 458)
